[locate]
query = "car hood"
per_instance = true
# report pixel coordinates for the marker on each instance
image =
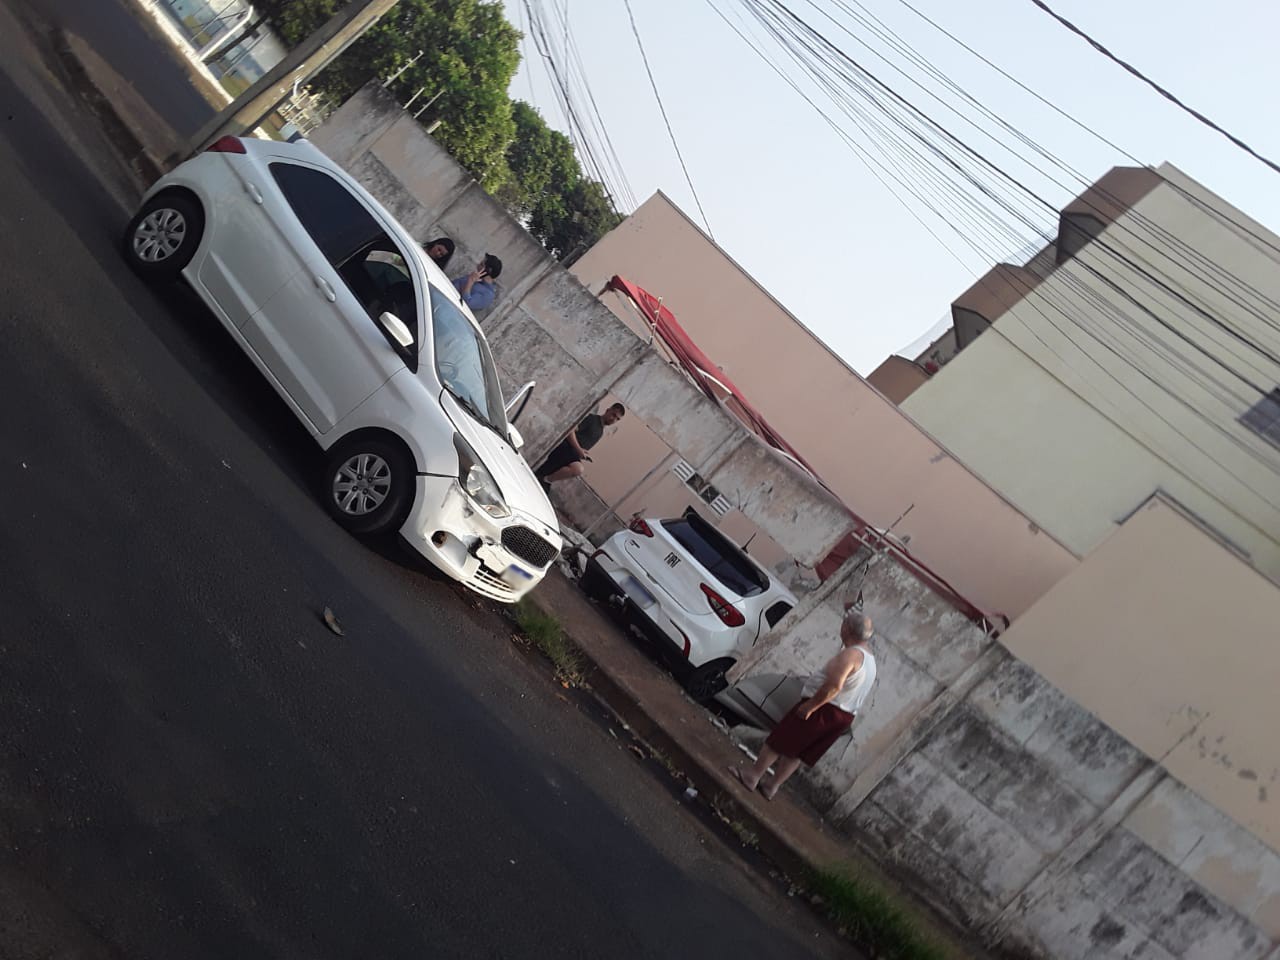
(520, 488)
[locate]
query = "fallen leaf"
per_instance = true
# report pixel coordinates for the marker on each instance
(637, 751)
(331, 622)
(561, 696)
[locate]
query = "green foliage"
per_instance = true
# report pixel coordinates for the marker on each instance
(873, 919)
(548, 636)
(470, 53)
(566, 211)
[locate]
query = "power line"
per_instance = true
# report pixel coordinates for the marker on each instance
(787, 36)
(665, 119)
(1155, 86)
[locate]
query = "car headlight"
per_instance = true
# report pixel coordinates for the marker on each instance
(475, 479)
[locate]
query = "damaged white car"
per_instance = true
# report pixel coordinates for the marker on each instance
(369, 345)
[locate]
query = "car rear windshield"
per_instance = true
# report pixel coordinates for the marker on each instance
(724, 561)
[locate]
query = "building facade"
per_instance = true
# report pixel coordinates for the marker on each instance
(1144, 357)
(888, 470)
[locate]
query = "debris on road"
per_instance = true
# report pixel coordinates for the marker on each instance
(331, 622)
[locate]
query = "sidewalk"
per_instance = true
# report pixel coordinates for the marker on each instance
(790, 833)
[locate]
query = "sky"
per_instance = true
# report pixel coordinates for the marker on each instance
(789, 200)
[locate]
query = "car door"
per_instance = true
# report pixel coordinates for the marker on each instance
(319, 335)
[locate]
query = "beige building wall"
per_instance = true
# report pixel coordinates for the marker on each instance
(873, 456)
(1171, 640)
(1048, 408)
(897, 378)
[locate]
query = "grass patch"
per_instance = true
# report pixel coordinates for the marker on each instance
(872, 918)
(547, 635)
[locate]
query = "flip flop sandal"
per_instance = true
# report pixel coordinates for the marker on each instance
(736, 773)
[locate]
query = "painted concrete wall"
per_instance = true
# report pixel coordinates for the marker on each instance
(897, 378)
(1172, 639)
(546, 326)
(873, 456)
(1046, 409)
(1050, 830)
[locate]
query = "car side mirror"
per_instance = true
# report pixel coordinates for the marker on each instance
(520, 397)
(396, 329)
(514, 436)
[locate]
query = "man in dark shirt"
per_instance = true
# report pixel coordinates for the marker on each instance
(565, 461)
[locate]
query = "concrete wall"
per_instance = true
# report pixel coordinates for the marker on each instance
(546, 326)
(874, 457)
(979, 773)
(1080, 402)
(1171, 638)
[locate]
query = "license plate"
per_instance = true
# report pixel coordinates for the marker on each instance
(513, 576)
(632, 588)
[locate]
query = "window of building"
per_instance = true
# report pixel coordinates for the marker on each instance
(1263, 418)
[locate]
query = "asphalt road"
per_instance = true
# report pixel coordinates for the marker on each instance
(190, 764)
(127, 43)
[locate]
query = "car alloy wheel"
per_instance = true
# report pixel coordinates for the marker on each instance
(159, 235)
(361, 484)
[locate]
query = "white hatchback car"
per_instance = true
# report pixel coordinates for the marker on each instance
(368, 343)
(685, 585)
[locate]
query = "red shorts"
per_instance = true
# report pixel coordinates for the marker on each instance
(809, 739)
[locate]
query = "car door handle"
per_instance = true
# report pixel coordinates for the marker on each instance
(254, 192)
(327, 289)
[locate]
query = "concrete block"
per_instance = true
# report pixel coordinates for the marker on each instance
(946, 818)
(1073, 743)
(583, 326)
(350, 130)
(1008, 780)
(926, 871)
(801, 515)
(1072, 924)
(921, 623)
(1213, 850)
(1150, 892)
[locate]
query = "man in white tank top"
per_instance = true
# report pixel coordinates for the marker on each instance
(829, 701)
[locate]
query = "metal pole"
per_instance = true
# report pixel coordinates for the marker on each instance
(303, 62)
(425, 105)
(412, 60)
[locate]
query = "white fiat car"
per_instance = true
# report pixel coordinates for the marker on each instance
(686, 586)
(368, 343)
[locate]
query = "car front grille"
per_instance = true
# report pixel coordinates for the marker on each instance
(487, 582)
(528, 546)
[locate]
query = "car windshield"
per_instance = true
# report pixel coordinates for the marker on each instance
(713, 550)
(464, 363)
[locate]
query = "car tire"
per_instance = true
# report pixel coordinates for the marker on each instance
(704, 682)
(367, 484)
(163, 236)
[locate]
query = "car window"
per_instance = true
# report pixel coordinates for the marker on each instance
(379, 278)
(464, 363)
(338, 222)
(713, 550)
(776, 612)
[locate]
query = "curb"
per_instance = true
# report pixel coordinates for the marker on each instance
(133, 152)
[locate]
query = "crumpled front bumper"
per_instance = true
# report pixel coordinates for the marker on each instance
(465, 542)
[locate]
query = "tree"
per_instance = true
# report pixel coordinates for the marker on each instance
(469, 55)
(547, 189)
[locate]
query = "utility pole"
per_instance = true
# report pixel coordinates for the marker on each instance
(303, 62)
